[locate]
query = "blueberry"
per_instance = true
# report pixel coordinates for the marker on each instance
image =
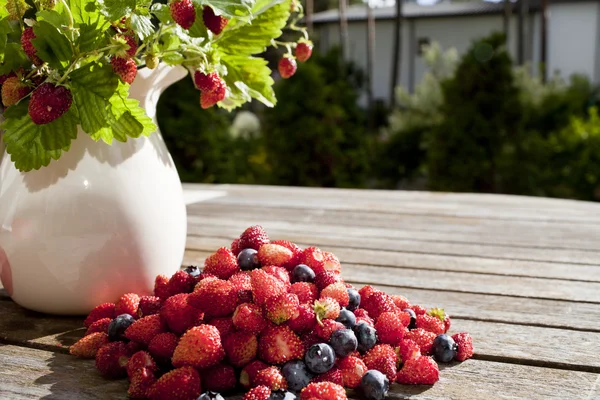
(374, 385)
(319, 358)
(347, 318)
(210, 396)
(343, 342)
(413, 319)
(366, 336)
(248, 259)
(444, 348)
(296, 374)
(193, 271)
(303, 273)
(354, 299)
(282, 395)
(116, 328)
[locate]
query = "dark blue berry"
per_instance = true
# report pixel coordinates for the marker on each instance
(282, 395)
(193, 271)
(303, 273)
(248, 259)
(347, 318)
(116, 328)
(319, 358)
(366, 336)
(343, 342)
(296, 374)
(444, 348)
(374, 385)
(210, 396)
(354, 299)
(413, 319)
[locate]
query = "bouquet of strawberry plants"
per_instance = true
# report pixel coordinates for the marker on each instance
(66, 64)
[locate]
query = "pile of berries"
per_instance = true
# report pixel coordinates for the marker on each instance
(272, 319)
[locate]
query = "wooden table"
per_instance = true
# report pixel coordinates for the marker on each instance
(522, 275)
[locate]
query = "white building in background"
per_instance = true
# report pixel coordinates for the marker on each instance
(573, 36)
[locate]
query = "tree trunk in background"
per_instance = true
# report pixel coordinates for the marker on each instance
(344, 28)
(370, 59)
(310, 9)
(507, 15)
(397, 52)
(544, 44)
(523, 12)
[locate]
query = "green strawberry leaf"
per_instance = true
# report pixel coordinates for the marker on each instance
(52, 46)
(96, 78)
(130, 118)
(5, 29)
(92, 34)
(116, 9)
(53, 17)
(162, 12)
(14, 58)
(248, 77)
(84, 11)
(142, 25)
(229, 8)
(58, 134)
(3, 9)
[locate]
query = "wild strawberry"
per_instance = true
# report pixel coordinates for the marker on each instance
(209, 99)
(274, 254)
(199, 347)
(127, 304)
(88, 346)
(386, 366)
(442, 315)
(287, 67)
(353, 369)
(304, 50)
(249, 373)
(241, 348)
(331, 263)
(270, 377)
(265, 286)
(206, 82)
(242, 285)
(323, 391)
(280, 273)
(235, 247)
(334, 375)
(305, 321)
(382, 358)
(181, 282)
(306, 292)
(133, 347)
(313, 257)
(258, 393)
(179, 384)
(149, 305)
(390, 327)
(279, 344)
(464, 342)
(363, 315)
(400, 301)
(178, 314)
(222, 264)
(248, 317)
(419, 371)
(99, 326)
(105, 310)
(327, 327)
(14, 90)
(338, 292)
(419, 310)
(26, 37)
(126, 68)
(430, 324)
(423, 338)
(112, 359)
(141, 382)
(253, 237)
(49, 102)
(214, 23)
(220, 378)
(161, 289)
(162, 346)
(183, 13)
(378, 303)
(215, 297)
(296, 253)
(365, 292)
(309, 338)
(326, 278)
(141, 359)
(281, 308)
(144, 329)
(326, 308)
(133, 46)
(408, 350)
(223, 324)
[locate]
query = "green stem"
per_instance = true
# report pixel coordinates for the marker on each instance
(71, 21)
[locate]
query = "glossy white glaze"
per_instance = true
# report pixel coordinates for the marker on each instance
(101, 221)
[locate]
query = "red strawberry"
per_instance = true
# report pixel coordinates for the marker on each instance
(326, 308)
(334, 375)
(270, 377)
(338, 292)
(442, 315)
(423, 338)
(282, 308)
(326, 278)
(378, 303)
(274, 254)
(178, 314)
(386, 366)
(265, 286)
(134, 347)
(365, 292)
(88, 346)
(408, 350)
(99, 326)
(220, 378)
(327, 327)
(199, 347)
(49, 102)
(242, 286)
(141, 382)
(249, 373)
(258, 393)
(215, 297)
(419, 371)
(28, 47)
(400, 301)
(279, 344)
(353, 369)
(323, 391)
(253, 238)
(430, 324)
(363, 315)
(214, 23)
(105, 310)
(161, 289)
(331, 263)
(179, 384)
(235, 247)
(296, 251)
(419, 310)
(181, 282)
(162, 346)
(248, 317)
(111, 360)
(306, 292)
(382, 358)
(209, 99)
(305, 321)
(390, 327)
(310, 338)
(280, 273)
(183, 13)
(304, 50)
(127, 304)
(141, 359)
(149, 305)
(126, 68)
(144, 329)
(313, 257)
(287, 66)
(465, 346)
(222, 264)
(241, 348)
(14, 90)
(133, 46)
(207, 82)
(223, 324)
